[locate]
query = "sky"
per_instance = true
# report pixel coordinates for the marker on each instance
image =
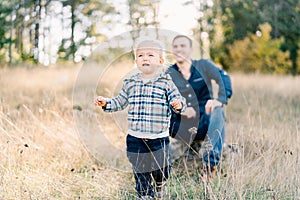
(172, 16)
(178, 18)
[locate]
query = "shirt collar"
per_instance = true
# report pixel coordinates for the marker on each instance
(138, 77)
(192, 70)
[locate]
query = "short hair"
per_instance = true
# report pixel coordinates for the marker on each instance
(150, 44)
(183, 36)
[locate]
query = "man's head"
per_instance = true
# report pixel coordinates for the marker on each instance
(149, 56)
(182, 48)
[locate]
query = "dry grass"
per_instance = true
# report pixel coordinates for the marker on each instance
(42, 156)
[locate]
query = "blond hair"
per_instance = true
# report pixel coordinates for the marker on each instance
(150, 44)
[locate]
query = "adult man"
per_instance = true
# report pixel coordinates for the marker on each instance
(204, 117)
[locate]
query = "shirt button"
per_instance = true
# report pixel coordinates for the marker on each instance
(187, 85)
(190, 95)
(189, 104)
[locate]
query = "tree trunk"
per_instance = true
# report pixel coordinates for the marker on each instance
(38, 9)
(73, 46)
(11, 34)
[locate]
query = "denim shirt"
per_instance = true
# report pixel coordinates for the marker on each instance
(197, 90)
(194, 89)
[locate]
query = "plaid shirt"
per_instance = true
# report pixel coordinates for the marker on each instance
(149, 103)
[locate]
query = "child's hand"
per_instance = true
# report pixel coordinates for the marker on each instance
(100, 101)
(176, 104)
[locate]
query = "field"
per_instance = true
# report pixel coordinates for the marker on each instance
(42, 156)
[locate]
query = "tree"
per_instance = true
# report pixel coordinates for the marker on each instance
(242, 17)
(84, 15)
(298, 59)
(6, 19)
(21, 20)
(260, 53)
(205, 23)
(284, 17)
(26, 31)
(142, 13)
(236, 19)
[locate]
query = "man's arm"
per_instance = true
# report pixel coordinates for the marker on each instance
(210, 72)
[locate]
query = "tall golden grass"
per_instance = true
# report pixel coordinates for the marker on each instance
(42, 156)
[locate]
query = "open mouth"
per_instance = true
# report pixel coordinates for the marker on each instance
(145, 65)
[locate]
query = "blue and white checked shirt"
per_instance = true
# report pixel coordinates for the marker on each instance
(149, 103)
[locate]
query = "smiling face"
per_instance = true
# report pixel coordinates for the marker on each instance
(148, 58)
(182, 49)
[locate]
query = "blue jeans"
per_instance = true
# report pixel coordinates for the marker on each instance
(215, 138)
(150, 159)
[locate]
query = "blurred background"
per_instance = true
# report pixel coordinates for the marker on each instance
(240, 35)
(57, 55)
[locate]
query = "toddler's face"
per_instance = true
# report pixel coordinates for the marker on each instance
(148, 60)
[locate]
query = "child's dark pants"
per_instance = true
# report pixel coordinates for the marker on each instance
(150, 159)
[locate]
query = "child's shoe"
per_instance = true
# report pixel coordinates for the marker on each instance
(161, 190)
